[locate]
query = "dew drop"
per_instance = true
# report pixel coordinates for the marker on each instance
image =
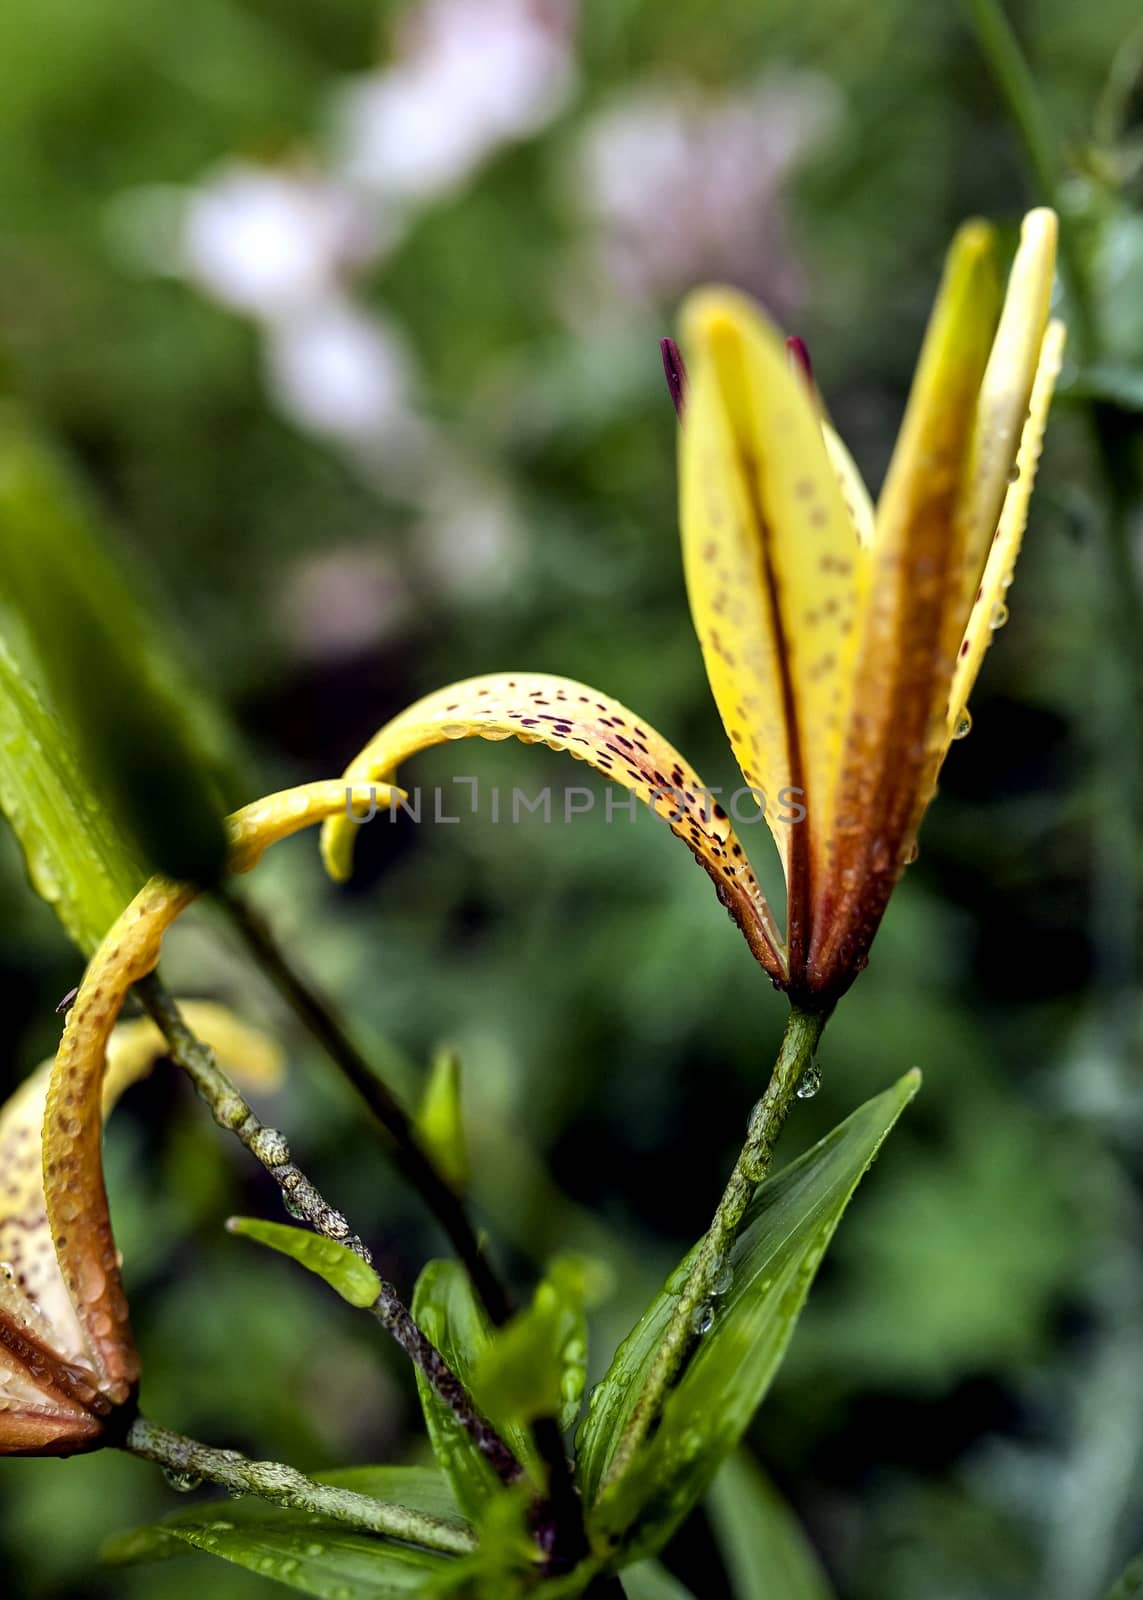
(964, 725)
(182, 1482)
(1014, 474)
(454, 730)
(999, 616)
(810, 1082)
(702, 1318)
(723, 1278)
(914, 853)
(291, 1206)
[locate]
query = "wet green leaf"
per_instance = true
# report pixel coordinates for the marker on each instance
(787, 1227)
(765, 1551)
(307, 1553)
(447, 1311)
(536, 1366)
(354, 1279)
(440, 1120)
(69, 611)
(76, 857)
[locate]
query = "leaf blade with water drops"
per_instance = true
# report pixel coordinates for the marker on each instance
(352, 1278)
(785, 1230)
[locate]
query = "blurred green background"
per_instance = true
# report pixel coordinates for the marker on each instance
(350, 315)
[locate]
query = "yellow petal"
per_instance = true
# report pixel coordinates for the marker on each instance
(539, 709)
(1006, 390)
(910, 633)
(775, 572)
(72, 1128)
(851, 484)
(992, 589)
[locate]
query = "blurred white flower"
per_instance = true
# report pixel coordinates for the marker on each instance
(467, 78)
(342, 602)
(683, 186)
(338, 370)
(267, 241)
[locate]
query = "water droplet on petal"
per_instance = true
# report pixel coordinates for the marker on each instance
(1014, 473)
(810, 1082)
(999, 616)
(964, 725)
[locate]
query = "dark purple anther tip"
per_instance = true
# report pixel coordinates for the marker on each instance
(799, 359)
(676, 374)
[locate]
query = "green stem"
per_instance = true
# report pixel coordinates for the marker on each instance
(273, 1480)
(305, 1201)
(318, 1017)
(803, 1030)
(1006, 61)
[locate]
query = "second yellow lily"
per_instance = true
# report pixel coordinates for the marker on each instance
(841, 643)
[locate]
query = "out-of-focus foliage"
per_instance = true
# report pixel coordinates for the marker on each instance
(437, 445)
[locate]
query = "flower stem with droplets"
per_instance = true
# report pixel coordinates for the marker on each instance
(273, 1480)
(795, 1058)
(305, 1201)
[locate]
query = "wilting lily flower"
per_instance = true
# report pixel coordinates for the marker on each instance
(68, 1365)
(841, 642)
(65, 1363)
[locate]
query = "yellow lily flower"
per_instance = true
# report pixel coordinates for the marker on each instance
(841, 642)
(68, 1364)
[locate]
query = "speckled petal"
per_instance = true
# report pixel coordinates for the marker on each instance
(73, 1169)
(993, 586)
(775, 571)
(895, 737)
(539, 709)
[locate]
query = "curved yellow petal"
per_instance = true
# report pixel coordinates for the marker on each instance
(894, 739)
(32, 1289)
(564, 715)
(990, 594)
(1005, 393)
(775, 572)
(72, 1129)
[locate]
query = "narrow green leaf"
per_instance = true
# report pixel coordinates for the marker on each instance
(448, 1313)
(344, 1271)
(647, 1580)
(69, 612)
(537, 1365)
(76, 857)
(290, 1547)
(1130, 1584)
(420, 1488)
(761, 1541)
(786, 1229)
(440, 1120)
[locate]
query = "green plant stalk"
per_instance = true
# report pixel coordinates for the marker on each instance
(803, 1030)
(561, 1519)
(273, 1480)
(1005, 60)
(414, 1161)
(305, 1201)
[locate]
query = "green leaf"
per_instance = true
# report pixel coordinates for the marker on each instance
(536, 1366)
(440, 1120)
(86, 638)
(76, 857)
(447, 1312)
(354, 1279)
(1130, 1583)
(647, 1580)
(785, 1231)
(765, 1551)
(291, 1547)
